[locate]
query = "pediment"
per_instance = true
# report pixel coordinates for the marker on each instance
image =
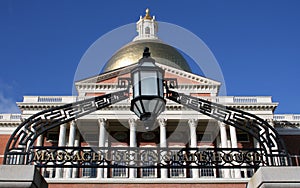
(183, 77)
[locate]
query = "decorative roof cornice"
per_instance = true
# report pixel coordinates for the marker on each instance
(125, 70)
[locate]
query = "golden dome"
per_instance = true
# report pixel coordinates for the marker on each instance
(161, 52)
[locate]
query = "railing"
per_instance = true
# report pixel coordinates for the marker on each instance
(295, 159)
(220, 99)
(243, 100)
(49, 99)
(10, 117)
(287, 117)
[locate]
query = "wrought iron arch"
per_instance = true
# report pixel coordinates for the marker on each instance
(269, 140)
(25, 135)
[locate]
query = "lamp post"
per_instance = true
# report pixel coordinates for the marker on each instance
(148, 90)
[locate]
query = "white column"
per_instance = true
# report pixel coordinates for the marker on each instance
(39, 142)
(76, 144)
(223, 134)
(61, 142)
(72, 134)
(106, 145)
(132, 143)
(255, 143)
(237, 172)
(193, 123)
(163, 143)
(102, 124)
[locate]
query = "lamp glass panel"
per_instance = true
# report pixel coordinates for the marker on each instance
(160, 84)
(138, 105)
(149, 83)
(136, 111)
(152, 105)
(146, 105)
(148, 64)
(136, 84)
(159, 106)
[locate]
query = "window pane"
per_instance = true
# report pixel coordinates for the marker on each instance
(120, 171)
(148, 161)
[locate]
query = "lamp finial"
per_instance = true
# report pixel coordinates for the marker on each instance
(146, 53)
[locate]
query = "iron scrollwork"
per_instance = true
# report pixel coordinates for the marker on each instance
(25, 135)
(265, 134)
(272, 152)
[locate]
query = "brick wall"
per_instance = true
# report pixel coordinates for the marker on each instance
(3, 141)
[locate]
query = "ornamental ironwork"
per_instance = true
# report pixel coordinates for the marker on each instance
(139, 157)
(20, 148)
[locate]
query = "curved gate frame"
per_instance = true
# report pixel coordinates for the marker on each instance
(25, 135)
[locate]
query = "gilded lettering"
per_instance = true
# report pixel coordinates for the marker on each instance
(77, 157)
(50, 157)
(39, 156)
(216, 157)
(227, 157)
(59, 156)
(239, 157)
(67, 156)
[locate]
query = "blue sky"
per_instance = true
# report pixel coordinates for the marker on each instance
(256, 43)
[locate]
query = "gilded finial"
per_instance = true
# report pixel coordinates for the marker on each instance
(147, 16)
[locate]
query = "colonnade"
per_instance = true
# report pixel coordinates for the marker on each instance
(74, 140)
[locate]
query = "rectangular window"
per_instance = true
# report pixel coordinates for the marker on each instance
(242, 137)
(177, 172)
(89, 172)
(207, 172)
(120, 172)
(149, 161)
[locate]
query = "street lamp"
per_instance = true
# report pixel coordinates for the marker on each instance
(148, 89)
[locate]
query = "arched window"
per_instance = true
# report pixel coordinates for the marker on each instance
(147, 30)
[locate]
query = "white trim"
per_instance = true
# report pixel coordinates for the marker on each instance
(146, 180)
(7, 130)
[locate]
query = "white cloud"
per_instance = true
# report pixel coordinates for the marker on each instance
(8, 105)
